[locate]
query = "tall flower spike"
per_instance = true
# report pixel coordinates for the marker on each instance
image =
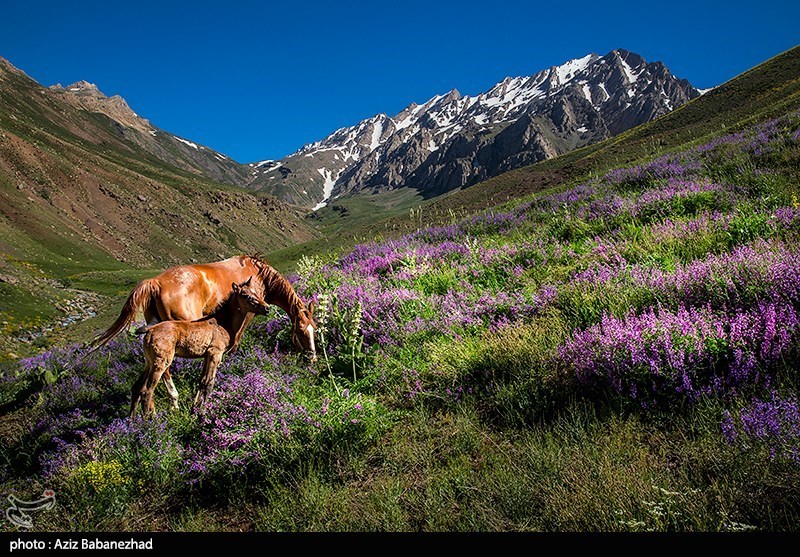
(322, 315)
(323, 308)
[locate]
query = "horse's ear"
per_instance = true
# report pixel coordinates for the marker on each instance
(235, 287)
(248, 281)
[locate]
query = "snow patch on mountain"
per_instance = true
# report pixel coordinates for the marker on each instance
(629, 73)
(377, 131)
(327, 188)
(587, 92)
(567, 71)
(189, 143)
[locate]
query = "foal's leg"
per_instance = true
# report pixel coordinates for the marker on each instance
(212, 360)
(139, 388)
(161, 365)
(156, 313)
(171, 390)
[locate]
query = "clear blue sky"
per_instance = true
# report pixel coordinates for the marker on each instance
(258, 80)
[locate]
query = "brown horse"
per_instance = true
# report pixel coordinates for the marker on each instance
(191, 292)
(193, 339)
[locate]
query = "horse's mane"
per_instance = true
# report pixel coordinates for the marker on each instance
(275, 285)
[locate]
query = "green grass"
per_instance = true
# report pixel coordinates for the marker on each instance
(446, 471)
(362, 209)
(478, 427)
(343, 227)
(22, 307)
(113, 283)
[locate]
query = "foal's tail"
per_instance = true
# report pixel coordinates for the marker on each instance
(143, 329)
(140, 297)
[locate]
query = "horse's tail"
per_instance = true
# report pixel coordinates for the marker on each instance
(138, 300)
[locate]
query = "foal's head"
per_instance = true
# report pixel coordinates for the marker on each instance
(303, 329)
(249, 297)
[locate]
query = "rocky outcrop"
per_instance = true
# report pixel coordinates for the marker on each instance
(176, 151)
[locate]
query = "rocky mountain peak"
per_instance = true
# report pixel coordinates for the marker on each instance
(630, 58)
(453, 140)
(88, 96)
(452, 95)
(84, 88)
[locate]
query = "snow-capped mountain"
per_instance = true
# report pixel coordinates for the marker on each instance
(453, 141)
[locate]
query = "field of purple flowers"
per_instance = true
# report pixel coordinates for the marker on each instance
(619, 355)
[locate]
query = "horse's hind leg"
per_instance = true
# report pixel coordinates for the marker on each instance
(210, 365)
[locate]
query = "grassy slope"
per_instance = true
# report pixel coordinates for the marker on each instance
(475, 417)
(344, 221)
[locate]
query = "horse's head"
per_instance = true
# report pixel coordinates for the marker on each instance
(250, 296)
(303, 329)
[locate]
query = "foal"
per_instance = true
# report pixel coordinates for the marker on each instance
(205, 338)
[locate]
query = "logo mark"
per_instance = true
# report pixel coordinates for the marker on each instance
(17, 513)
